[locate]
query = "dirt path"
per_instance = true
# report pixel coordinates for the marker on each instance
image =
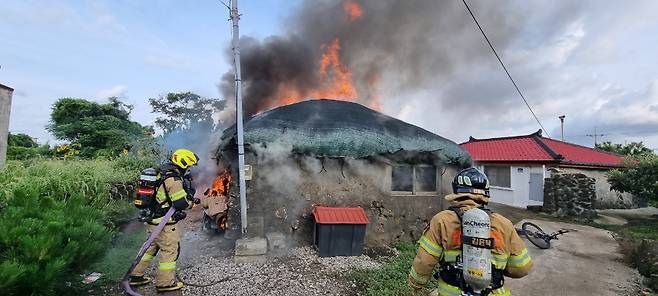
(583, 262)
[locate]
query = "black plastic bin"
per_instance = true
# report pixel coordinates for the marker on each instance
(339, 231)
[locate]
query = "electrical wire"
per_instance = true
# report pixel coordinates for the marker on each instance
(504, 68)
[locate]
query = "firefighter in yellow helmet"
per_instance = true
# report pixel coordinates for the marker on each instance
(175, 191)
(441, 243)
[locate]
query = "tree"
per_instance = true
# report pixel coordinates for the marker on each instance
(633, 149)
(21, 140)
(185, 110)
(640, 178)
(99, 129)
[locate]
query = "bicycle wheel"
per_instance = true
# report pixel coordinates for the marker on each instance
(535, 235)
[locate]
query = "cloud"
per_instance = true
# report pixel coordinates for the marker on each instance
(115, 91)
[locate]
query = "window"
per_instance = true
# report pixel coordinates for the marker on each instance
(498, 176)
(418, 179)
(402, 178)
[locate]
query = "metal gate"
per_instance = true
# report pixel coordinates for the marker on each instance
(537, 187)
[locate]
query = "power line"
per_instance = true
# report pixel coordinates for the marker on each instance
(505, 68)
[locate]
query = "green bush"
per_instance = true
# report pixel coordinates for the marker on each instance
(44, 239)
(22, 153)
(56, 218)
(639, 177)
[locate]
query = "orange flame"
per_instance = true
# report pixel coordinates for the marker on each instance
(352, 9)
(335, 80)
(221, 185)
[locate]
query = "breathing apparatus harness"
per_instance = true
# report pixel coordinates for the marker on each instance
(149, 182)
(454, 275)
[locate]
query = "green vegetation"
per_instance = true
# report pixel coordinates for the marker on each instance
(391, 278)
(22, 146)
(185, 110)
(633, 149)
(98, 129)
(117, 259)
(57, 217)
(640, 178)
(21, 140)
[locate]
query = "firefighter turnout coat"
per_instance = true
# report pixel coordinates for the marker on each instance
(441, 244)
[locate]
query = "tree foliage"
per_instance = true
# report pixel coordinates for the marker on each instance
(21, 140)
(185, 110)
(22, 146)
(640, 178)
(633, 149)
(99, 129)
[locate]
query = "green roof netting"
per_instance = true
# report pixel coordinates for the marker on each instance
(342, 129)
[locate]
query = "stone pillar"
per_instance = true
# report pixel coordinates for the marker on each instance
(5, 108)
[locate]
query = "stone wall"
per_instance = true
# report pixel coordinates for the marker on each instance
(570, 195)
(605, 197)
(284, 190)
(124, 191)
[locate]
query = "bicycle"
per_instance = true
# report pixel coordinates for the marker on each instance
(538, 237)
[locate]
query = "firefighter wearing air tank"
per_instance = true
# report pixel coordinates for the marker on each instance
(474, 248)
(175, 191)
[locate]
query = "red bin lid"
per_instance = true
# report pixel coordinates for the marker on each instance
(330, 215)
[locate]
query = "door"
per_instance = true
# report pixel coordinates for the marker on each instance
(537, 187)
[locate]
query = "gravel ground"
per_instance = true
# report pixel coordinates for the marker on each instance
(301, 272)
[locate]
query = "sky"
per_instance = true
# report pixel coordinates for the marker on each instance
(593, 61)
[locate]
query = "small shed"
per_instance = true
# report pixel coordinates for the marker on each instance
(339, 231)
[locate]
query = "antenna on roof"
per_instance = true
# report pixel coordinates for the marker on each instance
(595, 136)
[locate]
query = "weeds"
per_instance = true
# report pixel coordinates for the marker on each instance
(391, 278)
(57, 217)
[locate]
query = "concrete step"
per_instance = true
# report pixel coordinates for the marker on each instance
(250, 250)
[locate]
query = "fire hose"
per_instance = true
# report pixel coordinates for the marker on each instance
(142, 251)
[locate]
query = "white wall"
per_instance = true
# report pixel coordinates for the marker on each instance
(519, 193)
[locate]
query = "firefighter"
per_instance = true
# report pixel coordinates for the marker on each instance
(441, 243)
(175, 191)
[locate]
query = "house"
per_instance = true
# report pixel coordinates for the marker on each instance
(336, 153)
(517, 166)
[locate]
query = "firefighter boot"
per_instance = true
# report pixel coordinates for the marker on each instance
(176, 286)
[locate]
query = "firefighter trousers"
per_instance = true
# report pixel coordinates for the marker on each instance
(168, 245)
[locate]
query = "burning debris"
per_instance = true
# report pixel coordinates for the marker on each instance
(215, 203)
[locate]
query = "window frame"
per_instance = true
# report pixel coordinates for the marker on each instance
(491, 184)
(415, 184)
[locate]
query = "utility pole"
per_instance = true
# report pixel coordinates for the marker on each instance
(561, 117)
(235, 18)
(595, 136)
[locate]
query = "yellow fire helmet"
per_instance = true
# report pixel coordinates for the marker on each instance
(184, 158)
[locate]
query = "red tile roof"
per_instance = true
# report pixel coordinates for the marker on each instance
(507, 149)
(535, 148)
(329, 215)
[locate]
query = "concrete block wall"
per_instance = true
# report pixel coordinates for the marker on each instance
(5, 110)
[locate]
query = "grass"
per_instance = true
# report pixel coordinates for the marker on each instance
(118, 258)
(637, 229)
(391, 278)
